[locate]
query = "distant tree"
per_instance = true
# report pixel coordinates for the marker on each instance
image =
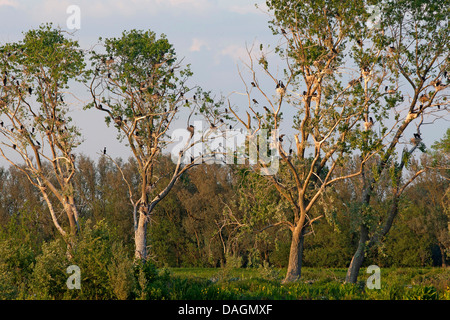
(38, 137)
(102, 194)
(208, 196)
(141, 86)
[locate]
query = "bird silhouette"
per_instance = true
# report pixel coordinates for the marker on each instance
(280, 88)
(104, 150)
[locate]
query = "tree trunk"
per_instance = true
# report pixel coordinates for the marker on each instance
(295, 255)
(443, 254)
(73, 221)
(358, 257)
(140, 237)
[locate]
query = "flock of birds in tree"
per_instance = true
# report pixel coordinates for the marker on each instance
(53, 123)
(280, 90)
(365, 72)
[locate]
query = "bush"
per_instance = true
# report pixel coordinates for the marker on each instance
(107, 270)
(19, 246)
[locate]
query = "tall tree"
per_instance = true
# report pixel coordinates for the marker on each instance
(141, 86)
(414, 39)
(329, 102)
(38, 136)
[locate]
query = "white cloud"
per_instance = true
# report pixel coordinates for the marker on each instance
(235, 52)
(9, 3)
(198, 44)
(56, 9)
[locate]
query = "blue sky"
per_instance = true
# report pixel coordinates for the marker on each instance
(211, 36)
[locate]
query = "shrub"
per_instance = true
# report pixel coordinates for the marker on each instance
(106, 268)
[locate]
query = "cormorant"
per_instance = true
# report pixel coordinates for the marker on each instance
(280, 88)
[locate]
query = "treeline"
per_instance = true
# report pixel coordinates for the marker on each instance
(222, 214)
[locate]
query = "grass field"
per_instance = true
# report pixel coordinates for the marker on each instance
(316, 283)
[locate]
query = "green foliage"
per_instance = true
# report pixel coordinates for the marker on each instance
(107, 270)
(317, 284)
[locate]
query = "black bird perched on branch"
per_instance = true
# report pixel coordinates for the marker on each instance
(104, 150)
(254, 101)
(280, 88)
(417, 139)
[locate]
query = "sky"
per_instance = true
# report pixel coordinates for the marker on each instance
(210, 35)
